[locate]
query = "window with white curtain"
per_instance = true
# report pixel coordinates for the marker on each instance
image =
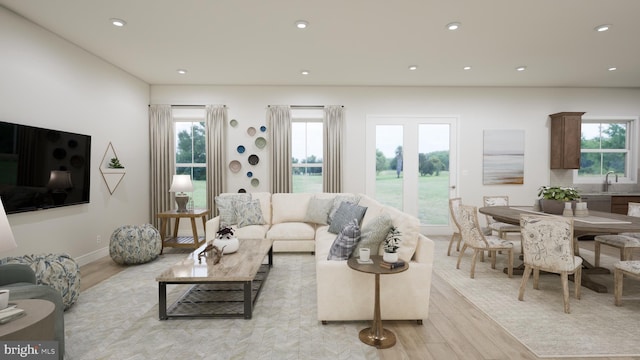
(306, 149)
(191, 156)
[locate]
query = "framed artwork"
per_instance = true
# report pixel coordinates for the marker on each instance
(503, 157)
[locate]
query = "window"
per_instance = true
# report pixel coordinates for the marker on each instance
(607, 145)
(191, 157)
(306, 150)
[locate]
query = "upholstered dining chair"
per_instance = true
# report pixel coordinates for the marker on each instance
(620, 269)
(547, 244)
(626, 242)
(454, 204)
(473, 238)
(501, 228)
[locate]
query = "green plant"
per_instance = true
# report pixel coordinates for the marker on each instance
(392, 241)
(115, 164)
(561, 193)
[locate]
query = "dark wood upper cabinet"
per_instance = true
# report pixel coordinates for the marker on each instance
(565, 140)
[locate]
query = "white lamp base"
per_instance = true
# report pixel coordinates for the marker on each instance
(182, 201)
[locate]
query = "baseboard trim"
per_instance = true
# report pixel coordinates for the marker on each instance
(92, 256)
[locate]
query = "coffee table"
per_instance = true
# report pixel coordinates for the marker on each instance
(376, 335)
(227, 289)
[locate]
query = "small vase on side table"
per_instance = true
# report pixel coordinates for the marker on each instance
(390, 257)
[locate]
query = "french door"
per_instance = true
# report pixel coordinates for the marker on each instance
(411, 165)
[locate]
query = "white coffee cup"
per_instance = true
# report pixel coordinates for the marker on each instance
(4, 298)
(364, 254)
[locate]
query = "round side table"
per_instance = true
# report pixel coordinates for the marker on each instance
(37, 324)
(376, 335)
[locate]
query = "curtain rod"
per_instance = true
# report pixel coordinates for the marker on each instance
(307, 106)
(199, 105)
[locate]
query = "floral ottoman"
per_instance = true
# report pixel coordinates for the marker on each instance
(135, 244)
(58, 271)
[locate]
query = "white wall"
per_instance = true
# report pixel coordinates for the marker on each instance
(49, 82)
(477, 108)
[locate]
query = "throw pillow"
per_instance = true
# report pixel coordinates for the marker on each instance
(345, 242)
(227, 207)
(318, 211)
(339, 199)
(345, 214)
(249, 213)
(374, 233)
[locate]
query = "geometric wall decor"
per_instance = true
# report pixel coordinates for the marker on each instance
(112, 175)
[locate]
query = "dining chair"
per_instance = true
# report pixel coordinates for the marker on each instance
(620, 269)
(454, 204)
(502, 228)
(626, 242)
(473, 238)
(547, 245)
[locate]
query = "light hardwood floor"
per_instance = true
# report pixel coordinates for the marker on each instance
(455, 329)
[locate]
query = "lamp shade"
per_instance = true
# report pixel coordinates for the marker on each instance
(7, 242)
(181, 183)
(59, 180)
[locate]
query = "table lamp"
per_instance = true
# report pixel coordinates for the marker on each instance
(7, 241)
(180, 185)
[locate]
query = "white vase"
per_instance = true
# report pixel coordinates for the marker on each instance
(228, 246)
(390, 257)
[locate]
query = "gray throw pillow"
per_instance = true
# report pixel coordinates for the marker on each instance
(345, 242)
(374, 232)
(345, 214)
(318, 211)
(339, 199)
(249, 213)
(227, 207)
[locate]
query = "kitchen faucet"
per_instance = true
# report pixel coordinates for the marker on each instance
(607, 182)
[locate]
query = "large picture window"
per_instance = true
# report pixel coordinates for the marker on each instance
(306, 151)
(607, 146)
(191, 157)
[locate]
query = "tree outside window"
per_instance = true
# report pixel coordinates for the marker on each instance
(191, 158)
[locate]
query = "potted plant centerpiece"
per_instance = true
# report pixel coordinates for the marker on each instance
(553, 198)
(391, 245)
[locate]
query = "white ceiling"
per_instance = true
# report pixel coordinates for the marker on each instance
(355, 42)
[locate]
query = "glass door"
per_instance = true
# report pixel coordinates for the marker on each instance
(411, 166)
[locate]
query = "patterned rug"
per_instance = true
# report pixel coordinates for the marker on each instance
(595, 326)
(118, 319)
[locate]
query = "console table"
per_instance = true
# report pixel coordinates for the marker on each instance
(173, 240)
(376, 335)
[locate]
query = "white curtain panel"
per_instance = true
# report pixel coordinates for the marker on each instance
(216, 118)
(161, 135)
(332, 152)
(279, 125)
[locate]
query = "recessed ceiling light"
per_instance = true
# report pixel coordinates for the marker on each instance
(413, 67)
(602, 28)
(302, 24)
(521, 68)
(305, 72)
(117, 22)
(181, 71)
(453, 26)
(467, 68)
(613, 68)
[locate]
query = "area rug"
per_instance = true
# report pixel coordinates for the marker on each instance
(594, 328)
(118, 319)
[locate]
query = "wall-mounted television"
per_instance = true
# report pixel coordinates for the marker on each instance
(42, 168)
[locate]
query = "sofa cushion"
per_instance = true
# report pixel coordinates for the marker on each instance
(289, 207)
(251, 232)
(339, 199)
(226, 204)
(346, 213)
(318, 211)
(345, 242)
(291, 231)
(374, 232)
(249, 213)
(265, 204)
(374, 209)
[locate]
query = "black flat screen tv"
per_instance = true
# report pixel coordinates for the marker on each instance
(42, 168)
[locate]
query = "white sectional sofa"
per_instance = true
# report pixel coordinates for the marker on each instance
(344, 294)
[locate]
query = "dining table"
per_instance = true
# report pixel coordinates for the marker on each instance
(595, 223)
